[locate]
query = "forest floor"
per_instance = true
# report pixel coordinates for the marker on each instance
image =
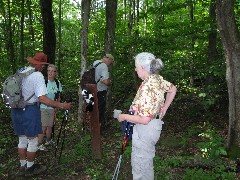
(77, 161)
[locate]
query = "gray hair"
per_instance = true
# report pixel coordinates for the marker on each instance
(149, 62)
(52, 66)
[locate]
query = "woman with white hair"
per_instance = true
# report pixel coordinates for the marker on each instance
(149, 107)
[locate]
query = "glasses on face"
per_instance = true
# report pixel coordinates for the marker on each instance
(51, 71)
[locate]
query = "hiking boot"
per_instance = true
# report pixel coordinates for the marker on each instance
(41, 147)
(22, 170)
(35, 169)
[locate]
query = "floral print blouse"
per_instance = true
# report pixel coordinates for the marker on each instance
(150, 95)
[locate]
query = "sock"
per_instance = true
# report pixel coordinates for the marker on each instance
(29, 164)
(23, 162)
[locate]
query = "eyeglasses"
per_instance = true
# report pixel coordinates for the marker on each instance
(51, 71)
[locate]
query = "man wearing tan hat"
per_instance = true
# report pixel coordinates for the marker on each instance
(27, 121)
(103, 81)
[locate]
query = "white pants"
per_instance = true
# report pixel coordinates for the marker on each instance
(144, 140)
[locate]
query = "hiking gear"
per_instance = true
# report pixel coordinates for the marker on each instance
(109, 56)
(126, 137)
(63, 126)
(39, 58)
(89, 77)
(12, 89)
(117, 168)
(35, 169)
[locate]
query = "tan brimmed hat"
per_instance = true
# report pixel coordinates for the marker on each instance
(110, 56)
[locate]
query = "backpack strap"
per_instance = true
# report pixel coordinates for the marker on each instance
(46, 81)
(58, 92)
(97, 64)
(57, 83)
(95, 67)
(30, 97)
(25, 75)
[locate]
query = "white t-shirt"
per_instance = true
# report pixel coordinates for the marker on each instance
(34, 83)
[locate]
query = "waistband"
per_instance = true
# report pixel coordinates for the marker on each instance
(31, 104)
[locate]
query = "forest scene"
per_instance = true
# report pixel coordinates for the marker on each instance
(199, 44)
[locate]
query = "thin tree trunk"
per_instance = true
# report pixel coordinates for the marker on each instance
(22, 33)
(31, 31)
(10, 47)
(59, 36)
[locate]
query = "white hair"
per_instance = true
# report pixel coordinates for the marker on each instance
(149, 62)
(52, 66)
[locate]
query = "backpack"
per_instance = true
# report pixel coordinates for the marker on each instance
(57, 83)
(89, 77)
(12, 89)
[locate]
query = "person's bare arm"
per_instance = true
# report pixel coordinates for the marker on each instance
(107, 82)
(169, 98)
(55, 104)
(134, 118)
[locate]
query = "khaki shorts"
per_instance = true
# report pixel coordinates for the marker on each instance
(47, 116)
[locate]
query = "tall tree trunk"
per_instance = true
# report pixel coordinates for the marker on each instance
(31, 31)
(85, 13)
(59, 36)
(49, 35)
(111, 14)
(212, 37)
(231, 42)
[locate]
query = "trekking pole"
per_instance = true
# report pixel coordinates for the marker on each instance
(64, 133)
(117, 168)
(63, 126)
(127, 133)
(54, 119)
(58, 139)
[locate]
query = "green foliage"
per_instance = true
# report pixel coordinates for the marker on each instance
(217, 173)
(82, 149)
(211, 144)
(233, 152)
